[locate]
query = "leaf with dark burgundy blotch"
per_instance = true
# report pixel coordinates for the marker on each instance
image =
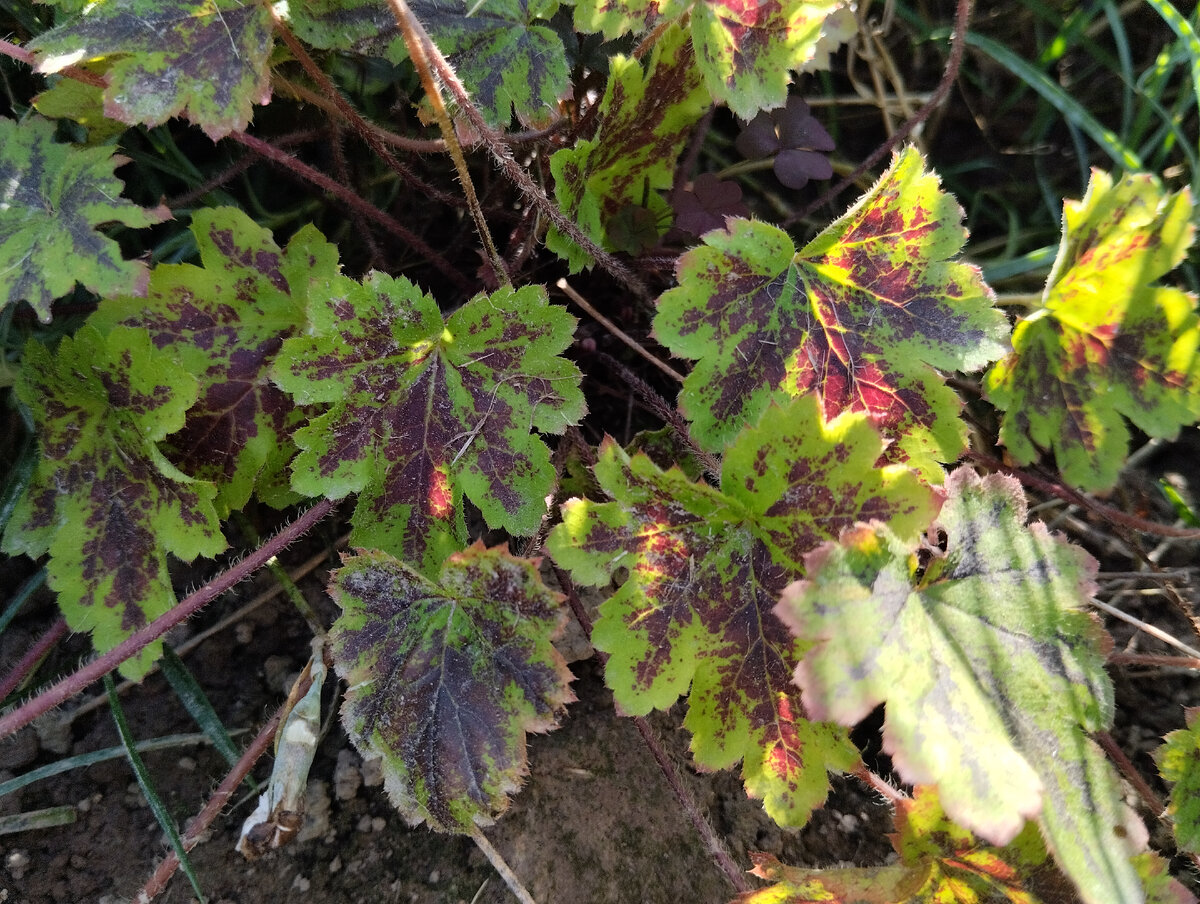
(426, 409)
(104, 502)
(54, 198)
(1105, 343)
(225, 322)
(447, 676)
(645, 119)
(705, 567)
(861, 316)
(203, 59)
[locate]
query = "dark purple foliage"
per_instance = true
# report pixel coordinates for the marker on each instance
(796, 139)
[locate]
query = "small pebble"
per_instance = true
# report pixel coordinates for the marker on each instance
(364, 824)
(243, 632)
(378, 824)
(335, 865)
(301, 884)
(16, 863)
(187, 764)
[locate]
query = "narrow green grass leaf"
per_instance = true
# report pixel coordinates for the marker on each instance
(24, 592)
(196, 702)
(157, 807)
(83, 760)
(1187, 38)
(37, 819)
(1070, 108)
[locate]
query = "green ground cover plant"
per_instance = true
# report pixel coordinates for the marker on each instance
(845, 417)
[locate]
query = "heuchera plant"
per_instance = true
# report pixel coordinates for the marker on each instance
(817, 554)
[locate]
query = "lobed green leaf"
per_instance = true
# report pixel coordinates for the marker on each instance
(1178, 762)
(704, 568)
(54, 199)
(104, 502)
(206, 59)
(425, 410)
(645, 119)
(1105, 344)
(225, 322)
(991, 674)
(446, 677)
(861, 317)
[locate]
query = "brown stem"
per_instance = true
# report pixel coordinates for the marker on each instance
(76, 72)
(1153, 659)
(957, 45)
(419, 43)
(32, 657)
(68, 687)
(712, 841)
(346, 111)
(392, 225)
(162, 874)
(501, 153)
(1152, 801)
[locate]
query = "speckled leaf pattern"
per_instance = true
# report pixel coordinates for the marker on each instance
(104, 502)
(1106, 343)
(225, 322)
(1178, 762)
(746, 48)
(940, 863)
(52, 199)
(705, 567)
(204, 59)
(507, 61)
(425, 410)
(446, 677)
(991, 674)
(645, 119)
(861, 316)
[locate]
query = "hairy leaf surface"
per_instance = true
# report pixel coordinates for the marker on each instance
(54, 197)
(447, 676)
(860, 316)
(1106, 342)
(206, 59)
(425, 409)
(1179, 764)
(705, 566)
(645, 121)
(991, 674)
(225, 322)
(104, 502)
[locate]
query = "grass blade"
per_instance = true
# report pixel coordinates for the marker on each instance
(143, 779)
(1066, 105)
(194, 700)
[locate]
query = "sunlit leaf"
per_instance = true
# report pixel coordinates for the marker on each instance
(425, 409)
(705, 567)
(991, 673)
(1179, 763)
(1106, 343)
(645, 118)
(203, 59)
(861, 316)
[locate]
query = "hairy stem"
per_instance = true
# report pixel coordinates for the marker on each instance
(419, 43)
(196, 828)
(391, 224)
(71, 685)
